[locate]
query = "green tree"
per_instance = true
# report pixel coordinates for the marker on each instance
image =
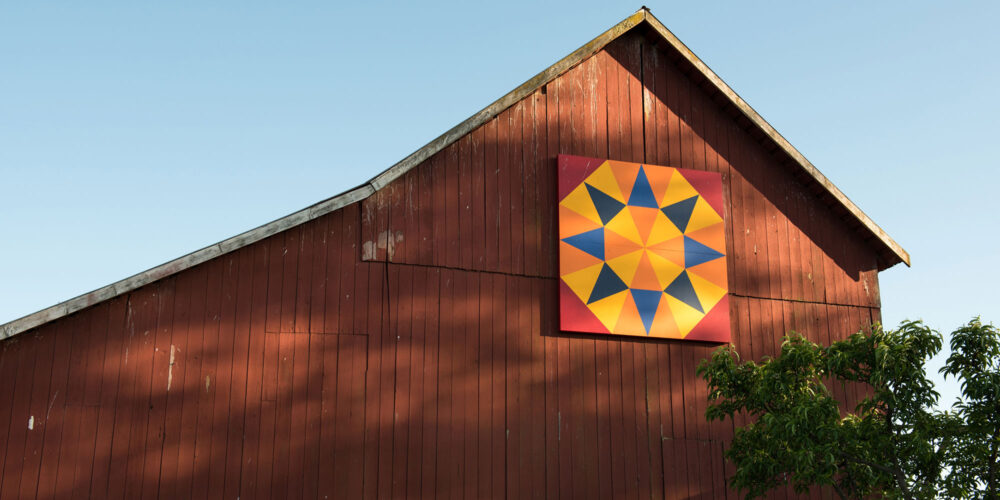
(894, 443)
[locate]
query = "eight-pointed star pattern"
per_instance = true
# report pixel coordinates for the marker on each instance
(641, 250)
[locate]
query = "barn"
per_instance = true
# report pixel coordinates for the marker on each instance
(460, 326)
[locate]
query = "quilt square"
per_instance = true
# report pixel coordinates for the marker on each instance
(642, 250)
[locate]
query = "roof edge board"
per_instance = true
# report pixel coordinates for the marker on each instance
(778, 139)
(175, 266)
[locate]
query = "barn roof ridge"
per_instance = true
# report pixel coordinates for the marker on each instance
(641, 17)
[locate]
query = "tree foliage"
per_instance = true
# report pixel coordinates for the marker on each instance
(895, 443)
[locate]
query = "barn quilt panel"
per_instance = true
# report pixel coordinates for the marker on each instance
(642, 250)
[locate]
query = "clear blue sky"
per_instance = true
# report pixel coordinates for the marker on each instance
(131, 134)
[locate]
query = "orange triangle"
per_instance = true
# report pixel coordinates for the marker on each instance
(672, 250)
(629, 322)
(644, 219)
(625, 174)
(659, 180)
(572, 259)
(616, 245)
(714, 271)
(571, 223)
(713, 236)
(645, 275)
(664, 325)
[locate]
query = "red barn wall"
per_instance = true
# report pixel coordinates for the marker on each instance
(407, 345)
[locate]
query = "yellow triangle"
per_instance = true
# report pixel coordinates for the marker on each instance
(608, 309)
(623, 225)
(678, 190)
(685, 316)
(582, 282)
(626, 265)
(578, 200)
(663, 230)
(604, 179)
(666, 271)
(702, 216)
(708, 293)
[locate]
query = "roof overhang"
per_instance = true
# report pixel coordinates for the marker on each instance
(890, 252)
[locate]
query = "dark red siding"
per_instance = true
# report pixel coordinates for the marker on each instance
(407, 346)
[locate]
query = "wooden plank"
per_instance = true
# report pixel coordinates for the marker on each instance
(619, 483)
(351, 365)
(369, 286)
(384, 367)
(605, 466)
(301, 443)
(469, 384)
(326, 348)
(255, 371)
(485, 452)
(73, 412)
(18, 427)
(314, 377)
(145, 328)
(400, 320)
(515, 169)
(439, 204)
(303, 279)
(476, 166)
(536, 392)
(451, 220)
(465, 196)
(312, 469)
(514, 396)
(320, 279)
(428, 486)
(283, 414)
(94, 349)
(55, 414)
(418, 398)
(174, 397)
(532, 130)
(445, 466)
(221, 382)
(44, 342)
(649, 107)
(335, 280)
(662, 111)
(349, 299)
(269, 371)
(492, 164)
(633, 66)
(654, 419)
(410, 243)
(630, 419)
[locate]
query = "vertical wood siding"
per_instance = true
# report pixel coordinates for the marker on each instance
(407, 346)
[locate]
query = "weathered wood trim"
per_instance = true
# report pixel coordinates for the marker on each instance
(780, 141)
(444, 140)
(177, 265)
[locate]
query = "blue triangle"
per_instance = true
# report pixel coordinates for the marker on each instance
(646, 301)
(608, 284)
(696, 253)
(680, 213)
(682, 290)
(607, 207)
(591, 242)
(642, 192)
